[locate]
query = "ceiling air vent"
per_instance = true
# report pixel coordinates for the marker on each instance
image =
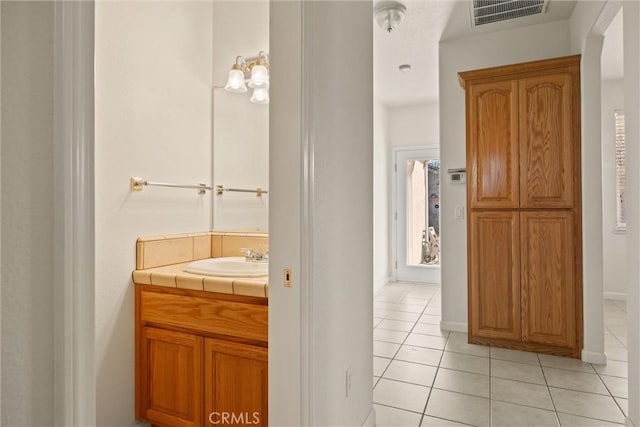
(490, 11)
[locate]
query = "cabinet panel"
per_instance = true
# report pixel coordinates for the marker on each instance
(492, 124)
(494, 293)
(236, 383)
(548, 278)
(546, 142)
(171, 377)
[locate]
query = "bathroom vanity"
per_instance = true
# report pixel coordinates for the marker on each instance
(201, 340)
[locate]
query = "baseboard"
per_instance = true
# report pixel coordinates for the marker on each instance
(618, 296)
(371, 419)
(628, 423)
(594, 357)
(454, 326)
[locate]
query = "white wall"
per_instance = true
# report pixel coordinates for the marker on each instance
(614, 242)
(335, 147)
(240, 128)
(381, 192)
(153, 120)
(27, 212)
(414, 125)
(485, 50)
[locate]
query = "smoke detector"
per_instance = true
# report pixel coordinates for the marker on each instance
(490, 11)
(389, 14)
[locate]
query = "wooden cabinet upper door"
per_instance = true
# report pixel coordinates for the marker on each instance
(171, 375)
(492, 150)
(548, 278)
(236, 383)
(494, 291)
(547, 146)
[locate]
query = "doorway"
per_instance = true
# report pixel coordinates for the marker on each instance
(417, 214)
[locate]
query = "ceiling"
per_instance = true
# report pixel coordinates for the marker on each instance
(415, 42)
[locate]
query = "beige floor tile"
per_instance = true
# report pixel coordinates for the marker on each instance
(509, 415)
(416, 301)
(565, 363)
(579, 381)
(384, 305)
(396, 325)
(401, 395)
(515, 356)
(459, 407)
(379, 365)
(375, 380)
(613, 368)
(567, 420)
(427, 329)
(389, 336)
(430, 319)
(392, 417)
(410, 308)
(586, 404)
(411, 372)
(458, 343)
(377, 320)
(521, 393)
(385, 349)
(380, 312)
(428, 421)
(403, 315)
(462, 382)
(623, 404)
(616, 353)
(427, 356)
(428, 341)
(618, 387)
(516, 371)
(465, 362)
(436, 311)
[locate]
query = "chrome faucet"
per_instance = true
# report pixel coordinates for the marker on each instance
(254, 256)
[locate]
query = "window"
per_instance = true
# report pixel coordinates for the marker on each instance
(621, 223)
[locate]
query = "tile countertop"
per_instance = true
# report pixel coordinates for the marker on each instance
(174, 276)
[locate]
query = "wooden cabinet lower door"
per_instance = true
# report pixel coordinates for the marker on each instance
(548, 278)
(494, 299)
(171, 376)
(236, 383)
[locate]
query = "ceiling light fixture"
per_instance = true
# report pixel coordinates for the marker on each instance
(253, 72)
(389, 14)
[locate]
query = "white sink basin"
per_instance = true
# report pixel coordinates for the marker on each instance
(228, 267)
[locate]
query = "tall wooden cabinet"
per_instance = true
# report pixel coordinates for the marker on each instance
(524, 198)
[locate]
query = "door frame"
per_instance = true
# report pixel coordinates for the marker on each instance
(395, 235)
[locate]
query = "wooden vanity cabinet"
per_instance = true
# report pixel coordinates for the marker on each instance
(524, 198)
(192, 369)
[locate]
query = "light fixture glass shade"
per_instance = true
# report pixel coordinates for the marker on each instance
(389, 14)
(260, 95)
(235, 81)
(259, 76)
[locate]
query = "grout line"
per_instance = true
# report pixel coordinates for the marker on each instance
(555, 410)
(611, 394)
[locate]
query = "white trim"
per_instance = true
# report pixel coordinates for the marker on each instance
(371, 419)
(593, 357)
(454, 326)
(306, 232)
(74, 328)
(618, 296)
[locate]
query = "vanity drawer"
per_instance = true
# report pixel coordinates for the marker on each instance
(204, 314)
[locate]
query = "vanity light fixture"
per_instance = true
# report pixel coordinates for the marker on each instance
(252, 72)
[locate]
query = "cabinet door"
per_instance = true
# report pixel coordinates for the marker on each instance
(171, 368)
(492, 150)
(236, 383)
(548, 278)
(547, 141)
(494, 291)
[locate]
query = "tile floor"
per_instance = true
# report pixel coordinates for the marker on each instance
(427, 377)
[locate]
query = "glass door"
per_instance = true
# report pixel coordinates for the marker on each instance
(417, 215)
